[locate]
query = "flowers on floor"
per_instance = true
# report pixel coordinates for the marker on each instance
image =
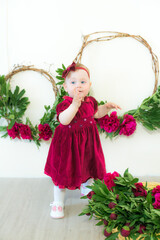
(125, 207)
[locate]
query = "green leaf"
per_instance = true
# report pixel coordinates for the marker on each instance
(16, 90)
(11, 124)
(99, 223)
(20, 94)
(5, 135)
(149, 198)
(157, 212)
(60, 83)
(3, 128)
(59, 78)
(113, 236)
(148, 126)
(63, 67)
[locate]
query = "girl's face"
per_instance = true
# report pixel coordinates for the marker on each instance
(77, 80)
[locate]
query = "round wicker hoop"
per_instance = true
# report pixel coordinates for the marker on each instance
(31, 68)
(113, 35)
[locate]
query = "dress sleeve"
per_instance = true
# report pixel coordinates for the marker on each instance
(61, 107)
(95, 104)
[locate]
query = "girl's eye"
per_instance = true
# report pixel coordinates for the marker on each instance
(72, 82)
(83, 82)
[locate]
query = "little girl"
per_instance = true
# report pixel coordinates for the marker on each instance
(75, 156)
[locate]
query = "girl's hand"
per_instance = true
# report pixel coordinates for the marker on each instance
(77, 98)
(111, 105)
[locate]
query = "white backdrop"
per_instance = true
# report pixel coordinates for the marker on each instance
(45, 33)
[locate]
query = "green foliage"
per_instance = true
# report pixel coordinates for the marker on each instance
(149, 112)
(13, 105)
(129, 209)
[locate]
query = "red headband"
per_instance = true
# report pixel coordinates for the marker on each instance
(72, 67)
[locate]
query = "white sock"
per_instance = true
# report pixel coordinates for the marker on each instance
(88, 183)
(84, 190)
(59, 194)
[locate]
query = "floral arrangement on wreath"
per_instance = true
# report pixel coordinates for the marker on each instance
(125, 207)
(13, 105)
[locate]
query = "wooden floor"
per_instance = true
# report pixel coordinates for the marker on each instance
(24, 213)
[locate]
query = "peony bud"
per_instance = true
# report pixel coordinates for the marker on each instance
(105, 222)
(112, 205)
(88, 214)
(142, 228)
(117, 197)
(128, 224)
(125, 231)
(90, 194)
(113, 216)
(106, 233)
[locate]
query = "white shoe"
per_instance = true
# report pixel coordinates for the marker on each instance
(84, 190)
(57, 210)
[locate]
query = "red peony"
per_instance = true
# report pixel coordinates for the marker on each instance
(128, 125)
(156, 190)
(90, 194)
(156, 204)
(45, 131)
(142, 228)
(25, 131)
(139, 190)
(109, 179)
(109, 123)
(14, 131)
(125, 231)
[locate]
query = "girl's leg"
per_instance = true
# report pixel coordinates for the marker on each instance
(59, 194)
(84, 189)
(57, 210)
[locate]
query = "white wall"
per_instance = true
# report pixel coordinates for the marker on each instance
(50, 32)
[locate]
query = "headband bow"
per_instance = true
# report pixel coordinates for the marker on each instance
(72, 67)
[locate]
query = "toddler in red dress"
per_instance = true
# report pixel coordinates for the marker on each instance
(75, 156)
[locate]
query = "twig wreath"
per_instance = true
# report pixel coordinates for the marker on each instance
(13, 104)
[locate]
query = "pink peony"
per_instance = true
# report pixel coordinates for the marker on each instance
(125, 231)
(25, 131)
(109, 123)
(139, 190)
(45, 131)
(90, 194)
(142, 228)
(156, 190)
(128, 125)
(156, 204)
(14, 131)
(109, 179)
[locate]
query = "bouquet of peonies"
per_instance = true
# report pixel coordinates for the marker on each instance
(113, 125)
(125, 207)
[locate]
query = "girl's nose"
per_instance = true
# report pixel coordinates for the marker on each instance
(78, 84)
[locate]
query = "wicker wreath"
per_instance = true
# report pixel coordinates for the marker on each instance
(13, 104)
